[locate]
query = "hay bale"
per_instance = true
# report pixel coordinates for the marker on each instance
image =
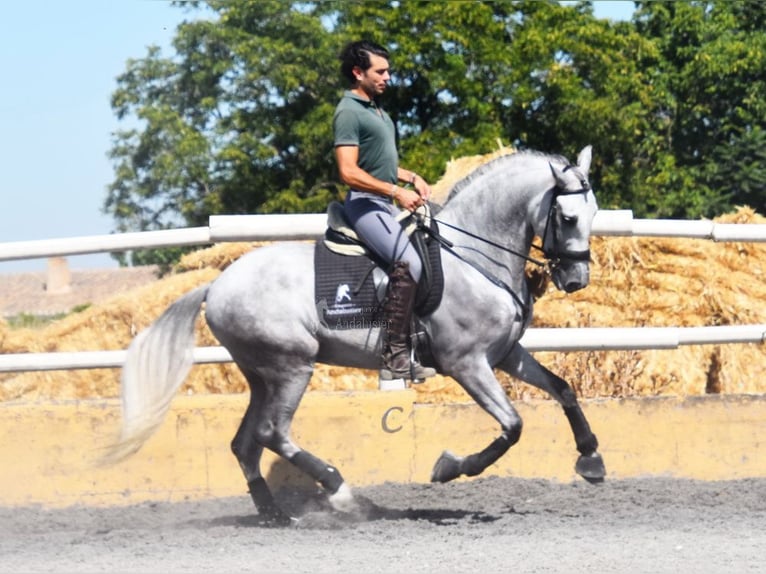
(110, 325)
(660, 282)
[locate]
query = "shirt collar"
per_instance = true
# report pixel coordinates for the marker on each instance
(360, 99)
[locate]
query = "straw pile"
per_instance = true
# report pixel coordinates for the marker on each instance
(664, 283)
(634, 282)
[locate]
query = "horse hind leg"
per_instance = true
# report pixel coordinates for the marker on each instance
(520, 364)
(267, 425)
(248, 452)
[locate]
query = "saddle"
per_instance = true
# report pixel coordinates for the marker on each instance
(351, 281)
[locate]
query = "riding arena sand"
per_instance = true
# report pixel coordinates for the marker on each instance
(630, 526)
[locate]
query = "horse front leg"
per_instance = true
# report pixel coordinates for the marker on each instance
(480, 383)
(521, 364)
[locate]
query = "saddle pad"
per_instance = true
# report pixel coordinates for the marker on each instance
(344, 290)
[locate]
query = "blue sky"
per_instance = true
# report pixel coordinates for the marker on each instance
(60, 60)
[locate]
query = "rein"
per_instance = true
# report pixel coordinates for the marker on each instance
(492, 243)
(553, 256)
(449, 247)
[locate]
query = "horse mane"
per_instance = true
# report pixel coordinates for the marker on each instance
(492, 162)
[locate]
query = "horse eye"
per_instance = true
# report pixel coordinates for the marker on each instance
(569, 219)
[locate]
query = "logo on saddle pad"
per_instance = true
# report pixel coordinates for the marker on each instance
(344, 312)
(342, 293)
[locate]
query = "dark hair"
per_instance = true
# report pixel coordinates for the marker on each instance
(357, 54)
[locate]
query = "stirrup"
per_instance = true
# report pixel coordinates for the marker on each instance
(390, 381)
(419, 373)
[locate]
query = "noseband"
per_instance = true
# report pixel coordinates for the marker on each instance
(554, 253)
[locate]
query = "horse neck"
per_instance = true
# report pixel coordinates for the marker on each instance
(499, 206)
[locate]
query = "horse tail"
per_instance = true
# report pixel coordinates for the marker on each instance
(157, 363)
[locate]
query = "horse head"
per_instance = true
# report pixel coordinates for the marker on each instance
(571, 207)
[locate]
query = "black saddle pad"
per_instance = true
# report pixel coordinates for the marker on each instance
(344, 290)
(345, 294)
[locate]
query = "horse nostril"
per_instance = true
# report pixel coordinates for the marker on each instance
(572, 286)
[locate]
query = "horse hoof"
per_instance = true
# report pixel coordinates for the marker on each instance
(343, 500)
(275, 519)
(446, 468)
(591, 467)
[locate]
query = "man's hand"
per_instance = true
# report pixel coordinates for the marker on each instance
(409, 199)
(422, 188)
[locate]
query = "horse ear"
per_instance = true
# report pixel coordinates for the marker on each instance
(583, 160)
(557, 173)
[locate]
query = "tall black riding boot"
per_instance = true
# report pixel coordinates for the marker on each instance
(398, 360)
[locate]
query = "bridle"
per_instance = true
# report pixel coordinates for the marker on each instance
(554, 256)
(553, 253)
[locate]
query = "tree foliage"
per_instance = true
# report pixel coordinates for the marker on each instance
(712, 69)
(238, 119)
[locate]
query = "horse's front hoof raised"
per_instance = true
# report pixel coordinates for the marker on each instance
(446, 468)
(591, 467)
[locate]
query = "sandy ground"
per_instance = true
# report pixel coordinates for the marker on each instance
(651, 525)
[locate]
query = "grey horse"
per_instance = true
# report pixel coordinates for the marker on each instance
(262, 309)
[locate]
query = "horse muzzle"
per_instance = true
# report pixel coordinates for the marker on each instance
(570, 276)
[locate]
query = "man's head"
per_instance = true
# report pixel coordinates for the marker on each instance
(365, 65)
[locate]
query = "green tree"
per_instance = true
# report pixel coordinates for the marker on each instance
(576, 80)
(238, 120)
(235, 122)
(713, 68)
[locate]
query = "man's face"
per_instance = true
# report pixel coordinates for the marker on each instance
(373, 80)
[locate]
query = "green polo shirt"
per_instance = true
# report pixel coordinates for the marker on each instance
(360, 122)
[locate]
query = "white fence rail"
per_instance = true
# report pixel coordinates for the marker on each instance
(543, 339)
(223, 228)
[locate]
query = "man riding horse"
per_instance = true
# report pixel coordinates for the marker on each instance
(368, 162)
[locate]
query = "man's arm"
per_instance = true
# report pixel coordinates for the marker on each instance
(354, 176)
(351, 174)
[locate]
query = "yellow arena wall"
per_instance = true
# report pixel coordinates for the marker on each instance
(50, 450)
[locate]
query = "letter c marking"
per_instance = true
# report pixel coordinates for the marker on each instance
(384, 420)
